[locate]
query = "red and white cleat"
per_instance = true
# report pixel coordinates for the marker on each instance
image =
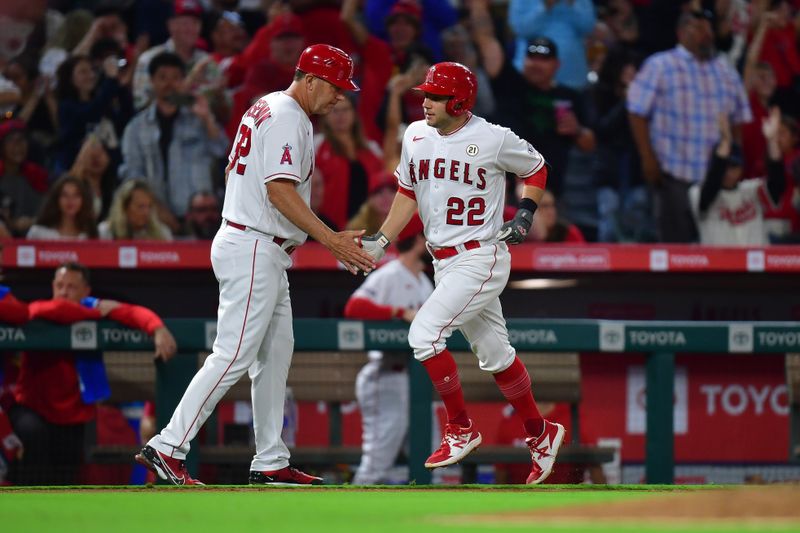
(457, 443)
(543, 451)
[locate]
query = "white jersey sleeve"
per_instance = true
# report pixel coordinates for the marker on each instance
(274, 141)
(518, 156)
(402, 175)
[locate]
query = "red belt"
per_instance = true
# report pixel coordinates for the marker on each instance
(450, 251)
(277, 240)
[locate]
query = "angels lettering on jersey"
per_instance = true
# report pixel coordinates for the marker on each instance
(458, 179)
(452, 170)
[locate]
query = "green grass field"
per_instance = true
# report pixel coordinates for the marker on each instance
(325, 509)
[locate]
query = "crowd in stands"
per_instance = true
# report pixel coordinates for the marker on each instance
(116, 117)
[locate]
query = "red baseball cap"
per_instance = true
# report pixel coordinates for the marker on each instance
(288, 24)
(382, 180)
(405, 8)
(188, 7)
(412, 229)
(10, 126)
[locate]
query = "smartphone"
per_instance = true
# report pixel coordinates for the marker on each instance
(181, 99)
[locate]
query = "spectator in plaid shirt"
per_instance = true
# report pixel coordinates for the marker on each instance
(673, 105)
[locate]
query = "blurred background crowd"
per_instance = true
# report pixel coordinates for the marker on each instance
(662, 120)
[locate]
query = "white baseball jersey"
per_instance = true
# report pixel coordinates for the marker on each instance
(735, 217)
(459, 178)
(274, 141)
(393, 284)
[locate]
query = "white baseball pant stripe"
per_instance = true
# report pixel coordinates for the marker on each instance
(254, 332)
(468, 286)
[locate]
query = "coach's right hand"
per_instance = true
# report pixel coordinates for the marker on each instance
(343, 245)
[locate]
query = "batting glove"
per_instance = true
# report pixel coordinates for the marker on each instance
(375, 245)
(515, 230)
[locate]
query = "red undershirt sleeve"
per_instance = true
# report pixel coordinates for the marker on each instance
(538, 178)
(61, 311)
(366, 309)
(136, 316)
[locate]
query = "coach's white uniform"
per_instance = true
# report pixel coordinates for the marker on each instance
(382, 385)
(254, 320)
(459, 183)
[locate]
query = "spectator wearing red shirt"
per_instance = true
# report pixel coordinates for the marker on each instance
(783, 220)
(548, 227)
(346, 160)
(779, 49)
(260, 46)
(269, 73)
(51, 410)
(374, 68)
(760, 84)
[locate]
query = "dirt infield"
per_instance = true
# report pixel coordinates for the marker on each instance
(746, 504)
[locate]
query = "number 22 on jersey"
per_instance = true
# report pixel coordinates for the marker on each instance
(456, 206)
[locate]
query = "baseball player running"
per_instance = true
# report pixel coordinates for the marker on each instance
(452, 167)
(266, 215)
(395, 290)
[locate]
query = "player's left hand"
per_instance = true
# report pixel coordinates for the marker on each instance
(516, 230)
(375, 245)
(165, 344)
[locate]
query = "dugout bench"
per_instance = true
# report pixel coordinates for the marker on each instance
(659, 341)
(331, 377)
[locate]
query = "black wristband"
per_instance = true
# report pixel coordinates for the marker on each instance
(527, 203)
(383, 242)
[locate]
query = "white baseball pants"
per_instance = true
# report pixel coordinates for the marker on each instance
(468, 286)
(254, 333)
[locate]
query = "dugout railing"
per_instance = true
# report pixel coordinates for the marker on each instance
(659, 341)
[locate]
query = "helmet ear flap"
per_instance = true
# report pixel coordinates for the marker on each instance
(455, 106)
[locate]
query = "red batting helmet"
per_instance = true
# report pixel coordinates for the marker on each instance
(329, 63)
(455, 80)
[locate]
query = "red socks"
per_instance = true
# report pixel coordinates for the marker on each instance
(515, 384)
(444, 375)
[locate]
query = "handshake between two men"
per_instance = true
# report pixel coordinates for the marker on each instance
(514, 231)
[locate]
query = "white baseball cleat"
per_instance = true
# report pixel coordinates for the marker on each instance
(543, 451)
(457, 443)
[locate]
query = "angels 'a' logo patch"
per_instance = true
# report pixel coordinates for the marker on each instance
(287, 154)
(472, 149)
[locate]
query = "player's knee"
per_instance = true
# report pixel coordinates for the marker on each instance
(496, 360)
(421, 341)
